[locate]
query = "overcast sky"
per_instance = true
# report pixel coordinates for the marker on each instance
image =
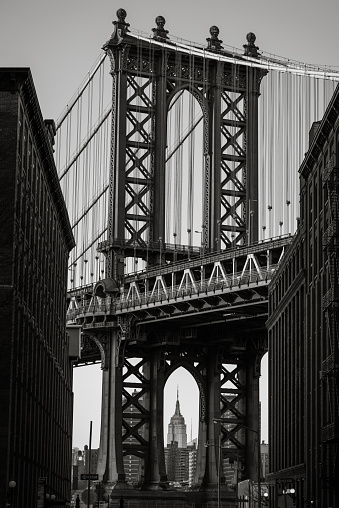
(60, 40)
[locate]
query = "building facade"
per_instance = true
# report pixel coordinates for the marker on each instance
(36, 403)
(303, 335)
(192, 460)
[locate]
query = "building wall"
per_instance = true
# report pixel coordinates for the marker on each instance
(303, 338)
(35, 370)
(192, 461)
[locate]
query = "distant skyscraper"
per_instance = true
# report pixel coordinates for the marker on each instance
(192, 460)
(177, 428)
(177, 453)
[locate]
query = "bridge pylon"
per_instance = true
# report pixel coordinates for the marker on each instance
(149, 76)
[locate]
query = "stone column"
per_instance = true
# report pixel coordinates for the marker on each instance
(155, 469)
(252, 427)
(110, 464)
(210, 453)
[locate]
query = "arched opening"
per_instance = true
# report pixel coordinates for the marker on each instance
(185, 171)
(87, 388)
(181, 425)
(87, 385)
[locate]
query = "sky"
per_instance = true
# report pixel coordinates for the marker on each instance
(61, 40)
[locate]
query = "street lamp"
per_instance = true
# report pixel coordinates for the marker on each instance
(12, 485)
(175, 247)
(219, 467)
(49, 499)
(202, 240)
(134, 256)
(224, 420)
(287, 492)
(160, 241)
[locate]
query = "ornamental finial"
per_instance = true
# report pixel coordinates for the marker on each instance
(214, 44)
(251, 49)
(121, 27)
(159, 31)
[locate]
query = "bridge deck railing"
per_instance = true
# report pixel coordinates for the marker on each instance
(162, 295)
(208, 258)
(131, 503)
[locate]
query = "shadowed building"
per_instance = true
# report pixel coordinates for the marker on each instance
(35, 368)
(303, 335)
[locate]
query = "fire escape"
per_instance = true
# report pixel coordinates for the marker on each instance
(330, 366)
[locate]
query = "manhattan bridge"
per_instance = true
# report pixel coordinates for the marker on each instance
(179, 165)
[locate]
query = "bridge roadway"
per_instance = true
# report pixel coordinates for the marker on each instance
(224, 287)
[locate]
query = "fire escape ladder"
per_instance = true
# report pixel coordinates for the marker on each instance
(330, 366)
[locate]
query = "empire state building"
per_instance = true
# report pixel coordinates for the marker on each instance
(177, 428)
(180, 466)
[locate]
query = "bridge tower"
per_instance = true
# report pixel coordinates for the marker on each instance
(148, 74)
(141, 349)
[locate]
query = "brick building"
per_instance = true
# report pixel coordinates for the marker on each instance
(303, 335)
(35, 368)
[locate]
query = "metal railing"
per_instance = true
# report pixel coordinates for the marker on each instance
(131, 503)
(208, 258)
(206, 287)
(212, 257)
